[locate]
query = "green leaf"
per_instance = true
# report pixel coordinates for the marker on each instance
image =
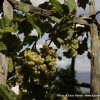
(10, 65)
(65, 9)
(55, 19)
(26, 29)
(57, 5)
(70, 33)
(7, 25)
(45, 5)
(5, 22)
(2, 46)
(83, 46)
(13, 43)
(6, 93)
(27, 1)
(60, 40)
(71, 5)
(67, 54)
(12, 28)
(29, 40)
(45, 27)
(56, 42)
(31, 20)
(19, 17)
(24, 7)
(82, 3)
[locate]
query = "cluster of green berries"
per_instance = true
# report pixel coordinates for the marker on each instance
(74, 46)
(18, 74)
(42, 65)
